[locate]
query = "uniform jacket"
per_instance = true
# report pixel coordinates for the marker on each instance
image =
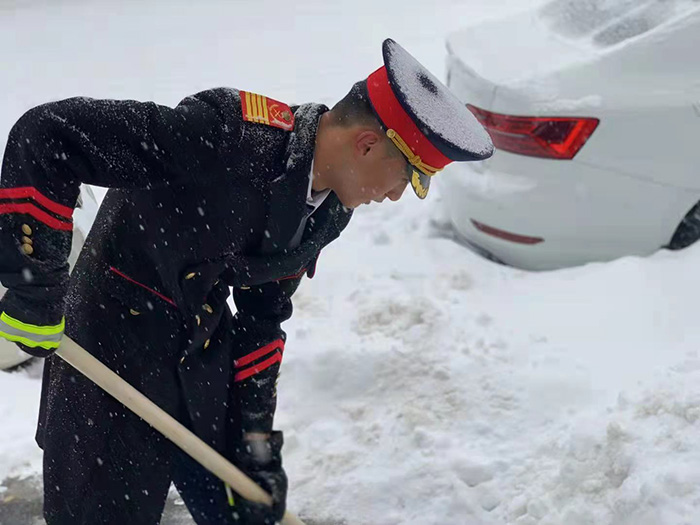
(201, 199)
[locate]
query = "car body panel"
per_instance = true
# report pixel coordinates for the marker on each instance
(631, 184)
(488, 49)
(597, 218)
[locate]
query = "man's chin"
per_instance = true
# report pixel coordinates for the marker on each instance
(349, 204)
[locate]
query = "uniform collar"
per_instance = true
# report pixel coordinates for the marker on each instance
(315, 198)
(288, 192)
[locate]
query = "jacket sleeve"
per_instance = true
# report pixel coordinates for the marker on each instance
(55, 147)
(259, 341)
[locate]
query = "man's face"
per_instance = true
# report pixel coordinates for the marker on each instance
(376, 172)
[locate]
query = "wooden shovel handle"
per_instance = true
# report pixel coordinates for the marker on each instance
(143, 407)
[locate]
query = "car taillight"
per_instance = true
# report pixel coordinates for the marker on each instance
(547, 137)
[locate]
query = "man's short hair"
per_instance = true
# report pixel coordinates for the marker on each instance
(355, 108)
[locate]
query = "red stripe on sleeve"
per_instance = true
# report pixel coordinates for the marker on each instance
(40, 215)
(31, 192)
(245, 374)
(274, 345)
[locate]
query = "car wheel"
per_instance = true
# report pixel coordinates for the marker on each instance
(688, 230)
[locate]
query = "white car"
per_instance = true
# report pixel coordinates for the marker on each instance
(595, 116)
(83, 217)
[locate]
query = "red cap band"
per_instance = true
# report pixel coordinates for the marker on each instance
(393, 116)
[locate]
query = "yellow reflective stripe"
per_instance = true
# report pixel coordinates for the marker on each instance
(28, 342)
(266, 116)
(34, 329)
(229, 494)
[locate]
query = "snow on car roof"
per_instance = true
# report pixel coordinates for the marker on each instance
(606, 23)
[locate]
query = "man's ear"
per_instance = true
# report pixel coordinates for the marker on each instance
(366, 141)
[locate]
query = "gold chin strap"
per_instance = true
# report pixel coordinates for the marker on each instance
(413, 159)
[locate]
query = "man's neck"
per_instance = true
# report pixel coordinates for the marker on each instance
(321, 166)
(317, 184)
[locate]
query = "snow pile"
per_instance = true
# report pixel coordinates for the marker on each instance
(19, 409)
(606, 23)
(425, 385)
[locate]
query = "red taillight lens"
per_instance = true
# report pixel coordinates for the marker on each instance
(547, 137)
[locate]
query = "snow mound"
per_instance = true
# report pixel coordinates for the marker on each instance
(434, 387)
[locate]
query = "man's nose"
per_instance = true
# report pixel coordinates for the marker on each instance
(397, 192)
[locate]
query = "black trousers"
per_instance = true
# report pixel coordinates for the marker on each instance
(103, 465)
(120, 474)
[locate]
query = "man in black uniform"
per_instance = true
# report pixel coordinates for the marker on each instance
(229, 190)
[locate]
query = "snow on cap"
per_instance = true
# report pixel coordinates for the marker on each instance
(423, 118)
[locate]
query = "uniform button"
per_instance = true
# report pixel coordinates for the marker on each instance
(27, 249)
(26, 229)
(190, 275)
(208, 309)
(183, 359)
(216, 282)
(199, 319)
(27, 240)
(206, 343)
(134, 312)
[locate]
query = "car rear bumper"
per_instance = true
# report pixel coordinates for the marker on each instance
(543, 214)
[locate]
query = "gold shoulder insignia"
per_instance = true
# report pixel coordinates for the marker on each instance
(263, 110)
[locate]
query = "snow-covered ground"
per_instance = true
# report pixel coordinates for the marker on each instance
(422, 384)
(430, 386)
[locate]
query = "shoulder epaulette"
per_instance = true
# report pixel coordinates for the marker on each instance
(263, 110)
